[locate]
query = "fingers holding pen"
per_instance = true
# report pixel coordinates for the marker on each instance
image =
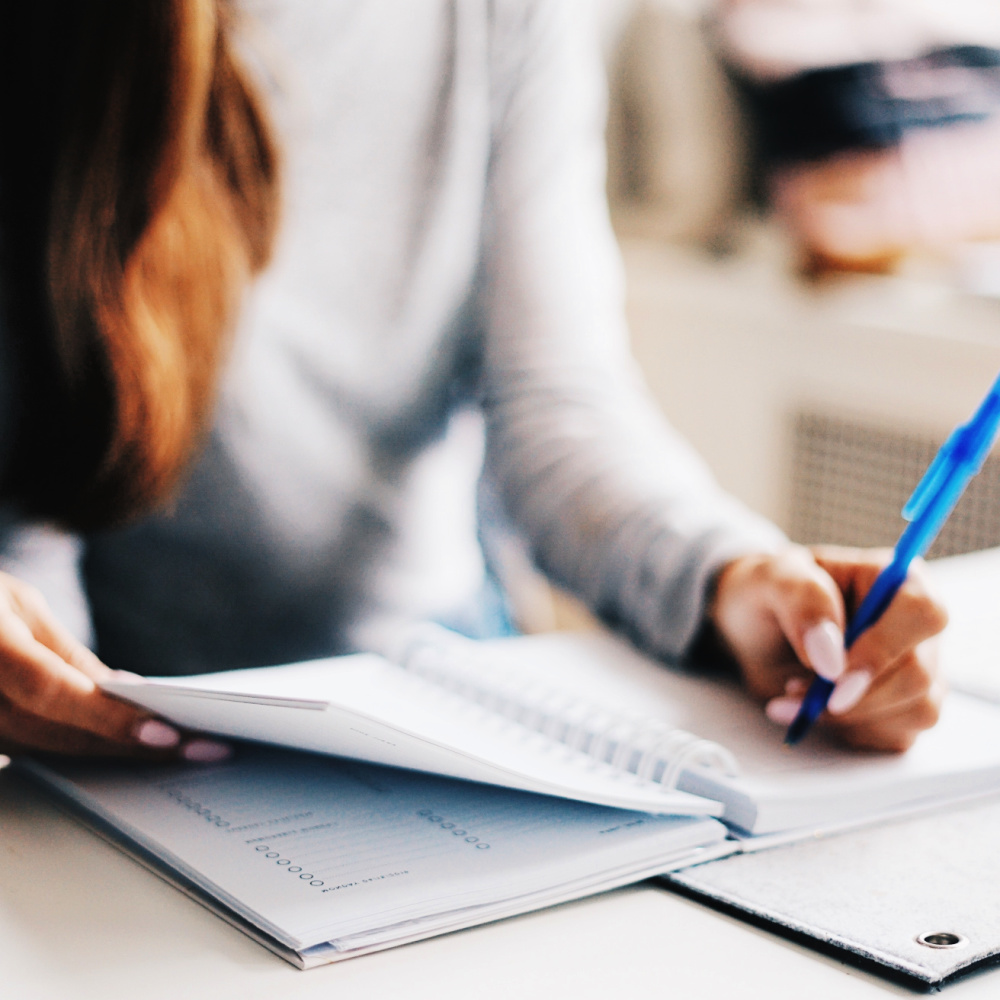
(886, 686)
(891, 720)
(891, 662)
(883, 713)
(777, 613)
(910, 685)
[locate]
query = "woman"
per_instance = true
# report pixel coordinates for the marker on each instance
(443, 274)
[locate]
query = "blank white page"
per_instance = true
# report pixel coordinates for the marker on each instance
(969, 585)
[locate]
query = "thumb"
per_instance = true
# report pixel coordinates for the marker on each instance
(809, 609)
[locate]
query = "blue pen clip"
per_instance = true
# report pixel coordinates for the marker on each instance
(934, 478)
(967, 446)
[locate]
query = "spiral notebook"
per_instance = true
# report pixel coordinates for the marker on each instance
(584, 717)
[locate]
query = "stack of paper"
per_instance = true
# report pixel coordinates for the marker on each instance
(323, 859)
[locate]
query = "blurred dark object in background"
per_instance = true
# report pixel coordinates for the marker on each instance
(819, 403)
(869, 161)
(868, 133)
(873, 105)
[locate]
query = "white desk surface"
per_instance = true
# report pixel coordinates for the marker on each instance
(79, 920)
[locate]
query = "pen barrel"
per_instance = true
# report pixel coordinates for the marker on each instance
(877, 599)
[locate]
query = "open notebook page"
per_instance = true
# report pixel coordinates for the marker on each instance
(816, 784)
(367, 708)
(315, 850)
(969, 585)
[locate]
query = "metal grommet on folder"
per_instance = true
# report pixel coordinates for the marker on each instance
(942, 939)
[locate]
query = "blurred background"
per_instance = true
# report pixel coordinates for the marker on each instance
(807, 197)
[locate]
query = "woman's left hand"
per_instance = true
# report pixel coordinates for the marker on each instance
(782, 618)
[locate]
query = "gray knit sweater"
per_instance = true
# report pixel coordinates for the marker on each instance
(446, 293)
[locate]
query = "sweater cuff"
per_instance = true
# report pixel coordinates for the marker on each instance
(668, 606)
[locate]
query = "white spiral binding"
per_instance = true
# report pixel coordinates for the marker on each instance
(636, 745)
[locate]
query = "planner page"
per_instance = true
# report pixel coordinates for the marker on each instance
(315, 849)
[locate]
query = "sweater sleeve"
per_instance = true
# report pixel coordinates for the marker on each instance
(614, 504)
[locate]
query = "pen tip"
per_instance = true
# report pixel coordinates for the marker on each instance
(796, 731)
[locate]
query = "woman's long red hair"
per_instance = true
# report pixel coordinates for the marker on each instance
(138, 194)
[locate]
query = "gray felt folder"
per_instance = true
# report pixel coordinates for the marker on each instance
(919, 898)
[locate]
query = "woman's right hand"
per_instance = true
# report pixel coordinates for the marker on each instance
(49, 695)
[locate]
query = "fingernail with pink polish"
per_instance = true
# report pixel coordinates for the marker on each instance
(824, 645)
(849, 691)
(206, 751)
(153, 733)
(782, 710)
(127, 677)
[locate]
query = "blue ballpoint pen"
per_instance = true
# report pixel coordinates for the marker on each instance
(959, 459)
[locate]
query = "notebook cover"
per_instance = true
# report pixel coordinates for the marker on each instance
(867, 896)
